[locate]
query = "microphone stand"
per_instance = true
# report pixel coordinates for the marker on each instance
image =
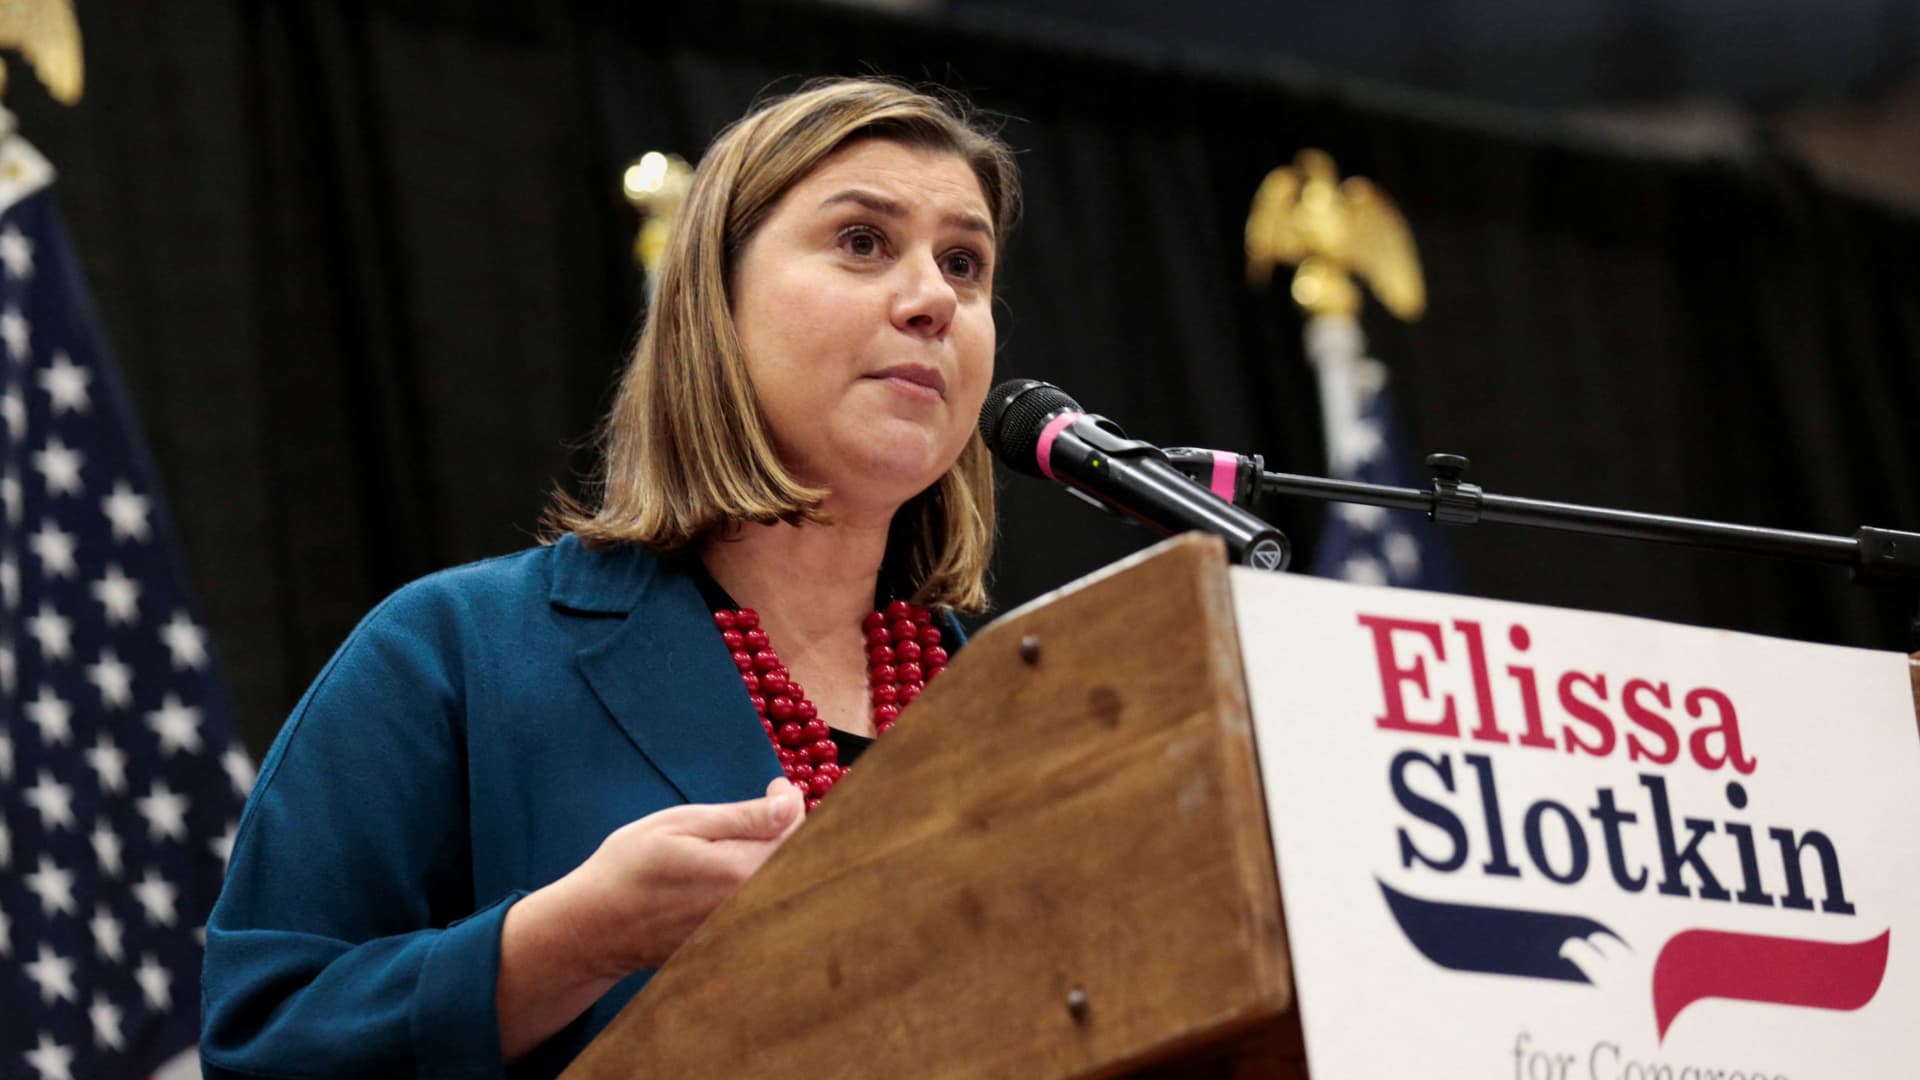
(1878, 557)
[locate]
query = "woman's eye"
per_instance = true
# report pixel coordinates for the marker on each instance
(862, 242)
(965, 265)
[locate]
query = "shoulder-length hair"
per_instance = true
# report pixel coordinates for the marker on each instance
(685, 453)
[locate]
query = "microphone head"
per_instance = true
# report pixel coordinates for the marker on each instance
(1014, 415)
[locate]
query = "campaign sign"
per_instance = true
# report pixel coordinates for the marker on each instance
(1524, 842)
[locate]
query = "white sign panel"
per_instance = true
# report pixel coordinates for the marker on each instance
(1523, 842)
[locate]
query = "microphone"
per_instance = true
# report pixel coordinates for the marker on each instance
(1035, 428)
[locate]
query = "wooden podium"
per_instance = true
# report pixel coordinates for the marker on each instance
(1056, 866)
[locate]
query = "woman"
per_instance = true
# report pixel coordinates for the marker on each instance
(521, 784)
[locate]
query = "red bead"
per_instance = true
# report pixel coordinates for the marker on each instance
(816, 729)
(794, 691)
(742, 660)
(780, 708)
(934, 658)
(766, 725)
(751, 680)
(812, 805)
(746, 618)
(922, 616)
(880, 654)
(800, 771)
(904, 630)
(774, 682)
(882, 728)
(885, 695)
(723, 619)
(734, 638)
(759, 703)
(792, 734)
(755, 638)
(898, 610)
(830, 770)
(787, 755)
(910, 673)
(818, 785)
(823, 750)
(872, 619)
(908, 652)
(883, 675)
(929, 636)
(765, 660)
(885, 714)
(877, 637)
(909, 691)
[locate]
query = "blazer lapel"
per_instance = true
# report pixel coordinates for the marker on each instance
(662, 671)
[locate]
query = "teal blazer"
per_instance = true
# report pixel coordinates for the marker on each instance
(477, 737)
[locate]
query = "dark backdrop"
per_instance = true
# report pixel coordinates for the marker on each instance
(366, 266)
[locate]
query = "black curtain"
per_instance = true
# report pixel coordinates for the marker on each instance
(367, 268)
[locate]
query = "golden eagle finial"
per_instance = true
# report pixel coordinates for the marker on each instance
(655, 184)
(48, 35)
(1305, 216)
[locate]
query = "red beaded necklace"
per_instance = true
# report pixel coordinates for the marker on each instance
(903, 653)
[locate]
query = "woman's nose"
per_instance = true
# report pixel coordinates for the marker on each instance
(925, 303)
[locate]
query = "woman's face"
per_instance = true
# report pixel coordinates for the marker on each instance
(864, 306)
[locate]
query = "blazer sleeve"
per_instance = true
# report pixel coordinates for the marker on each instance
(346, 939)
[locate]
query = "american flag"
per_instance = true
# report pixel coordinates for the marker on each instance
(120, 776)
(1371, 545)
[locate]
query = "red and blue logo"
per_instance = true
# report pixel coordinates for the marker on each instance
(1711, 857)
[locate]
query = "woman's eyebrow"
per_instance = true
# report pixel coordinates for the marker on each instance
(890, 208)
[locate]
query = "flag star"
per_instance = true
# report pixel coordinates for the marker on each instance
(55, 550)
(1359, 443)
(109, 937)
(16, 333)
(6, 756)
(155, 983)
(177, 725)
(104, 1015)
(165, 811)
(9, 580)
(6, 849)
(12, 495)
(54, 974)
(106, 848)
(13, 409)
(114, 679)
(1364, 518)
(53, 886)
(1403, 554)
(1364, 570)
(9, 667)
(156, 895)
(222, 845)
(187, 643)
(53, 631)
(109, 763)
(50, 1059)
(127, 509)
(119, 595)
(66, 384)
(60, 464)
(16, 253)
(52, 716)
(6, 934)
(239, 769)
(53, 800)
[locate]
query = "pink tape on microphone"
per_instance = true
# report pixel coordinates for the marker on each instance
(1044, 450)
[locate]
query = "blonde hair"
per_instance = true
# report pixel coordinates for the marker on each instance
(685, 452)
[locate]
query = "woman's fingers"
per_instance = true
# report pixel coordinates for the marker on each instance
(769, 817)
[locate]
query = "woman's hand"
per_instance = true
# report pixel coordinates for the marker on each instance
(628, 907)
